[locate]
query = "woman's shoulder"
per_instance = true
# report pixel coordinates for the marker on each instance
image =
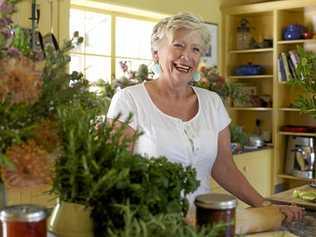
(130, 91)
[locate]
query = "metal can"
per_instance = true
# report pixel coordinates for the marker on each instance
(217, 209)
(24, 220)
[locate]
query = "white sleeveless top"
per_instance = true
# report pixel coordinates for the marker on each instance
(192, 142)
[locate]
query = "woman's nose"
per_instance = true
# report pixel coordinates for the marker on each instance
(185, 54)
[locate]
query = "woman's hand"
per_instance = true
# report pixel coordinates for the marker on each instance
(291, 213)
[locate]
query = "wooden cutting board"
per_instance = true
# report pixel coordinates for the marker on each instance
(273, 234)
(286, 197)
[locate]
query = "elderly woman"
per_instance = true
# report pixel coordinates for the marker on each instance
(186, 124)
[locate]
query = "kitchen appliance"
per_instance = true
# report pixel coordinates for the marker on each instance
(300, 156)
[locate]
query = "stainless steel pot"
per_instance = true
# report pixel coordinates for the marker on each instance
(256, 141)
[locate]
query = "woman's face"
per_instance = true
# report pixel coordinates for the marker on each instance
(179, 57)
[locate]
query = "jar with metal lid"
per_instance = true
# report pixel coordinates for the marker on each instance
(24, 220)
(217, 208)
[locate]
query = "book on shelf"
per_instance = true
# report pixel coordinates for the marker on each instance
(294, 57)
(286, 66)
(281, 70)
(292, 68)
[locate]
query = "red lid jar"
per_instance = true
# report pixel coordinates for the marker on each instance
(217, 208)
(24, 221)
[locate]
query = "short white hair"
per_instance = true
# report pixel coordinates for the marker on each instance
(168, 26)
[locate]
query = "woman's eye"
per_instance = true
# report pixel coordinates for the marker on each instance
(177, 45)
(197, 50)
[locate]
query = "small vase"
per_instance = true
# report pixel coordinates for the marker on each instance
(71, 220)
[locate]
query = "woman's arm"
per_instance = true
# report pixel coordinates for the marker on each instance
(226, 173)
(129, 132)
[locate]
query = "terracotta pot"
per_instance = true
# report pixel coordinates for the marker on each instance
(71, 220)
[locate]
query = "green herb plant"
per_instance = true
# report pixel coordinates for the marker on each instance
(96, 169)
(162, 225)
(306, 74)
(238, 135)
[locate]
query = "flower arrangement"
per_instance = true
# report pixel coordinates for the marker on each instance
(211, 80)
(31, 90)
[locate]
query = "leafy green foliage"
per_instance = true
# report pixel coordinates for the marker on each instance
(237, 134)
(22, 41)
(211, 80)
(96, 168)
(306, 72)
(161, 226)
(306, 105)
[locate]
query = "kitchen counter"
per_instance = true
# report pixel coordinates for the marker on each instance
(273, 234)
(306, 227)
(286, 197)
(243, 151)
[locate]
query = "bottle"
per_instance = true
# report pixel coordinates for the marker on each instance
(258, 130)
(243, 35)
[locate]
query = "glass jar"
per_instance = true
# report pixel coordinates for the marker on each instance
(243, 35)
(23, 221)
(217, 208)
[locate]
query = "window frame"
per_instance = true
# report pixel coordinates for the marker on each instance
(113, 15)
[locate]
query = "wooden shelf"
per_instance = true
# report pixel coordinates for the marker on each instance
(301, 41)
(251, 77)
(252, 108)
(287, 176)
(298, 134)
(290, 109)
(268, 20)
(237, 51)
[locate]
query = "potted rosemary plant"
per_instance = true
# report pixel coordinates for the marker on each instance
(95, 169)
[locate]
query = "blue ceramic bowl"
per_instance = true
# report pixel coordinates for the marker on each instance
(293, 32)
(249, 69)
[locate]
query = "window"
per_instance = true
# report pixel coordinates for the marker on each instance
(93, 57)
(132, 43)
(97, 57)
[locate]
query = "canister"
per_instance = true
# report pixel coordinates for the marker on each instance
(217, 209)
(24, 220)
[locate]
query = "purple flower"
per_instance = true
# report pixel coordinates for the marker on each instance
(6, 33)
(5, 21)
(5, 7)
(13, 52)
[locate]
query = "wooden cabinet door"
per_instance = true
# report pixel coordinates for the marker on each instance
(257, 170)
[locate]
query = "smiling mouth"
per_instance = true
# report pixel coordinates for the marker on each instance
(182, 67)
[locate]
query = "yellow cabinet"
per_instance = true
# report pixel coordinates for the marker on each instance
(256, 167)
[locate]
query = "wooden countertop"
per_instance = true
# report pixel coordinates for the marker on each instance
(273, 234)
(286, 197)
